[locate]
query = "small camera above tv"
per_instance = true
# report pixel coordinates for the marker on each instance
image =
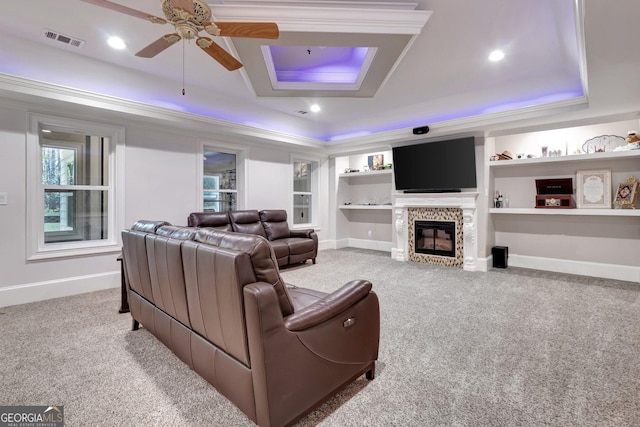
(439, 166)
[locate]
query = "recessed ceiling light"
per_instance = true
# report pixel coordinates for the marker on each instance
(496, 55)
(314, 108)
(116, 43)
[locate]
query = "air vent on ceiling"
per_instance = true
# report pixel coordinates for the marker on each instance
(54, 35)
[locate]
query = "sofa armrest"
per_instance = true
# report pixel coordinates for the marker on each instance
(329, 306)
(293, 371)
(307, 233)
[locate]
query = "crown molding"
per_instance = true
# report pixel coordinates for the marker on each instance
(327, 19)
(46, 94)
(474, 124)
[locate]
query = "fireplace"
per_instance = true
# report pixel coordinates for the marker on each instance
(459, 208)
(435, 238)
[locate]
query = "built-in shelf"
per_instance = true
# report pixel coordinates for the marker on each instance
(363, 202)
(369, 173)
(367, 207)
(575, 212)
(610, 155)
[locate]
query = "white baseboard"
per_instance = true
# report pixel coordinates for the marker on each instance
(40, 291)
(358, 243)
(375, 245)
(608, 271)
(326, 244)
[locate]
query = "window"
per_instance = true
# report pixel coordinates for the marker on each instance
(219, 181)
(72, 188)
(304, 190)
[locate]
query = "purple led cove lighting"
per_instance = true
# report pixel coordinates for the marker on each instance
(479, 111)
(317, 64)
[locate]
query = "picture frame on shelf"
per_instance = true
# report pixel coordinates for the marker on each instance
(593, 189)
(375, 161)
(626, 194)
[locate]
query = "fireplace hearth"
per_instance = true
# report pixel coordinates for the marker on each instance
(435, 238)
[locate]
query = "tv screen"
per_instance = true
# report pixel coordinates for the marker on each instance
(440, 166)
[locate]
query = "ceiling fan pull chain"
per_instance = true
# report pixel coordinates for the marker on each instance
(183, 91)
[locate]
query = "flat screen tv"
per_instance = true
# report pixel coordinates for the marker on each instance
(432, 167)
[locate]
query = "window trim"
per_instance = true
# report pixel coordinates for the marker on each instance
(315, 190)
(78, 148)
(36, 248)
(240, 152)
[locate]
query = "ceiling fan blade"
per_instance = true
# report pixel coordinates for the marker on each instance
(219, 54)
(257, 30)
(159, 45)
(127, 10)
(183, 4)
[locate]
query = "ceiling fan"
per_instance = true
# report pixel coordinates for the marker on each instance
(189, 17)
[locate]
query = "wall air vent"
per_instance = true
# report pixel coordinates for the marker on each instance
(71, 41)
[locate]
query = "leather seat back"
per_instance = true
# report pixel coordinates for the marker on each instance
(135, 256)
(164, 252)
(217, 266)
(274, 222)
(217, 220)
(247, 222)
(263, 260)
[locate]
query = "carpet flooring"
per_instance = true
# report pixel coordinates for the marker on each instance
(508, 347)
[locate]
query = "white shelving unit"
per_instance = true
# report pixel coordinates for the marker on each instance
(367, 174)
(591, 241)
(363, 199)
(516, 179)
(366, 207)
(566, 212)
(581, 158)
(367, 190)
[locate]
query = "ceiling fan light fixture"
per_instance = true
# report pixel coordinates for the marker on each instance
(186, 31)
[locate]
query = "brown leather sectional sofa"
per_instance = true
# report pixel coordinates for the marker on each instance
(217, 300)
(290, 246)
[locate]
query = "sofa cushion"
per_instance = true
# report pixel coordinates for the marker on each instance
(247, 222)
(275, 223)
(304, 297)
(217, 220)
(281, 249)
(299, 246)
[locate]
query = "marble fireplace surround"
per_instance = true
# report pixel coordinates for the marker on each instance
(465, 202)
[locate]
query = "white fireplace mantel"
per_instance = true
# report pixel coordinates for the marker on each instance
(465, 201)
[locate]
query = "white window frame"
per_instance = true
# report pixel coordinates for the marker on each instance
(79, 149)
(315, 193)
(36, 248)
(222, 147)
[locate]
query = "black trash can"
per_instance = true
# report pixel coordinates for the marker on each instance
(500, 256)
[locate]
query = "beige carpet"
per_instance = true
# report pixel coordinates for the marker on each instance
(505, 348)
